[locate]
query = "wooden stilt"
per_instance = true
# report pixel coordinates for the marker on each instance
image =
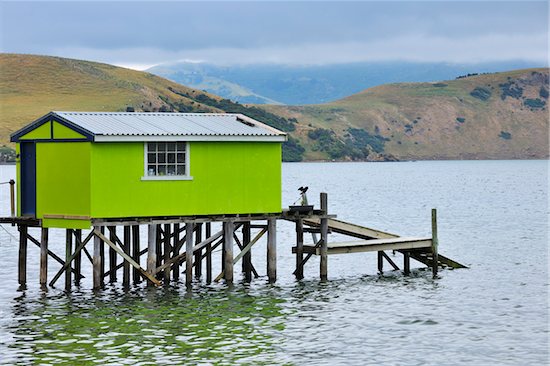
(198, 253)
(208, 233)
(152, 248)
(380, 262)
(176, 252)
(136, 253)
(44, 257)
(167, 252)
(97, 275)
(324, 238)
(189, 227)
(112, 255)
(406, 263)
(23, 229)
(66, 265)
(126, 264)
(247, 258)
(272, 250)
(68, 254)
(299, 249)
(102, 255)
(228, 229)
(159, 245)
(78, 257)
(435, 243)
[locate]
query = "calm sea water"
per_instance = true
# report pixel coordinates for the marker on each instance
(493, 217)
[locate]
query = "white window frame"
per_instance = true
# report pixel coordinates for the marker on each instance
(187, 175)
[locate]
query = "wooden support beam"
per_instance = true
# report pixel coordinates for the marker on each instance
(406, 263)
(299, 249)
(247, 258)
(68, 256)
(272, 250)
(102, 255)
(79, 246)
(136, 254)
(158, 242)
(127, 257)
(380, 262)
(189, 227)
(126, 264)
(97, 275)
(44, 256)
(78, 256)
(228, 229)
(112, 255)
(241, 247)
(390, 261)
(23, 229)
(50, 253)
(309, 253)
(208, 233)
(324, 239)
(435, 243)
(198, 252)
(176, 252)
(152, 248)
(167, 252)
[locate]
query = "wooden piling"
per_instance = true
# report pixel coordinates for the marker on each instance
(189, 227)
(136, 276)
(299, 249)
(97, 275)
(68, 254)
(247, 258)
(158, 241)
(272, 250)
(406, 263)
(102, 255)
(176, 252)
(44, 257)
(208, 233)
(198, 254)
(23, 230)
(112, 255)
(380, 262)
(78, 257)
(126, 264)
(228, 228)
(435, 243)
(324, 238)
(151, 248)
(167, 252)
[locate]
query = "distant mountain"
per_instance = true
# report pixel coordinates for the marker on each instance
(494, 116)
(313, 84)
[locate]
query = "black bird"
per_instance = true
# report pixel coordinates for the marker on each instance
(303, 189)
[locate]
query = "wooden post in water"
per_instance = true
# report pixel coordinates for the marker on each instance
(198, 254)
(324, 238)
(208, 233)
(272, 250)
(406, 263)
(68, 254)
(23, 230)
(102, 255)
(176, 252)
(126, 264)
(189, 226)
(247, 258)
(435, 242)
(228, 229)
(136, 253)
(159, 245)
(380, 262)
(167, 252)
(112, 255)
(299, 249)
(44, 257)
(151, 249)
(78, 257)
(97, 276)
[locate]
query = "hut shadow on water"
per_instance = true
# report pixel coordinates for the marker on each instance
(153, 325)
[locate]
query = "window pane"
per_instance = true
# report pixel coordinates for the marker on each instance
(180, 169)
(162, 170)
(151, 158)
(161, 158)
(171, 158)
(171, 169)
(151, 170)
(181, 158)
(181, 146)
(171, 146)
(152, 146)
(161, 146)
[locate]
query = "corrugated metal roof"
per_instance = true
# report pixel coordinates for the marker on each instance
(168, 124)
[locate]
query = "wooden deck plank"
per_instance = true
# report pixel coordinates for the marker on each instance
(372, 245)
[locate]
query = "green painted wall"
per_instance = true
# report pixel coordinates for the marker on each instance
(63, 182)
(62, 132)
(228, 177)
(43, 132)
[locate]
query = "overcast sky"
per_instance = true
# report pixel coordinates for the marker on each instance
(141, 34)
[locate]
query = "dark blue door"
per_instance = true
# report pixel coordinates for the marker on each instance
(28, 178)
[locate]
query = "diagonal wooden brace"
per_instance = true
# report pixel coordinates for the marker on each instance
(68, 263)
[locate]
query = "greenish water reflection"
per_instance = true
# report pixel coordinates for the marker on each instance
(149, 326)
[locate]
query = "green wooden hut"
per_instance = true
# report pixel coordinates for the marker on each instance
(73, 167)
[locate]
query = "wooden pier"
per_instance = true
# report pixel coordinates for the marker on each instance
(178, 245)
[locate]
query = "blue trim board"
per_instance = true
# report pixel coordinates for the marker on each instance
(52, 116)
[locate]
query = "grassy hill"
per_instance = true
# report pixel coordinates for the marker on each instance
(31, 86)
(491, 116)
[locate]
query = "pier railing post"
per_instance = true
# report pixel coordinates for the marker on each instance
(272, 250)
(151, 248)
(189, 227)
(68, 254)
(299, 249)
(97, 275)
(44, 257)
(12, 197)
(324, 238)
(23, 230)
(435, 242)
(228, 229)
